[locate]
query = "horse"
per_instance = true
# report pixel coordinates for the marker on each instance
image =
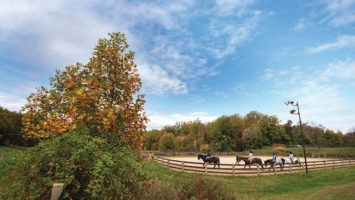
(214, 160)
(296, 161)
(279, 161)
(247, 162)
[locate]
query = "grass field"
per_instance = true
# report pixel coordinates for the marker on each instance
(326, 184)
(322, 184)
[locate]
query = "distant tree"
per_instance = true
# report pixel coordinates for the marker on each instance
(316, 134)
(252, 118)
(237, 125)
(289, 131)
(10, 127)
(100, 97)
(332, 139)
(167, 142)
(252, 137)
(349, 138)
(182, 143)
(151, 139)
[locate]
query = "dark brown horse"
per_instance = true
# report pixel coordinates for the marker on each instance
(247, 162)
(214, 160)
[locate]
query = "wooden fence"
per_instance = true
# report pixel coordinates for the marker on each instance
(234, 169)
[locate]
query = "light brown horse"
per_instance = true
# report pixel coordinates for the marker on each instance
(247, 162)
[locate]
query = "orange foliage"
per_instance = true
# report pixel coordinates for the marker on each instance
(101, 96)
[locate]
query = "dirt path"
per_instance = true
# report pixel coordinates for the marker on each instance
(232, 159)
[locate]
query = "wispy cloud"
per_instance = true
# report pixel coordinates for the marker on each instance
(340, 12)
(225, 37)
(300, 25)
(345, 41)
(320, 97)
(227, 7)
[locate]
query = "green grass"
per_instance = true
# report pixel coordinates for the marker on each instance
(325, 184)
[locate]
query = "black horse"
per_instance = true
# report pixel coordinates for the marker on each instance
(279, 161)
(214, 160)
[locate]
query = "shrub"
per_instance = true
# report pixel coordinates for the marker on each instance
(204, 188)
(90, 167)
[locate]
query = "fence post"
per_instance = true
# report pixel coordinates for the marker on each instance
(168, 163)
(57, 190)
(257, 168)
(183, 166)
(205, 168)
(233, 169)
(325, 166)
(314, 164)
(334, 163)
(289, 165)
(275, 168)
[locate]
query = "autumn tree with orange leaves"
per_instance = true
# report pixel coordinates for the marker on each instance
(99, 97)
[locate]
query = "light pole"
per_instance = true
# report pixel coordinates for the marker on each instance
(294, 112)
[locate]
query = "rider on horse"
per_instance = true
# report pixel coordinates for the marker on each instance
(208, 154)
(250, 156)
(291, 156)
(274, 157)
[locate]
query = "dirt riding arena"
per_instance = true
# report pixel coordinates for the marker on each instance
(228, 165)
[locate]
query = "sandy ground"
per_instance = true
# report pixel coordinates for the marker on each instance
(232, 159)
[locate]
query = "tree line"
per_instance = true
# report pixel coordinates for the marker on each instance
(226, 133)
(237, 133)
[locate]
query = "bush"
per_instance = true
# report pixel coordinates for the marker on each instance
(90, 167)
(195, 188)
(203, 188)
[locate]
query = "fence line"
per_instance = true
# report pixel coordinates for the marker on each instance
(235, 169)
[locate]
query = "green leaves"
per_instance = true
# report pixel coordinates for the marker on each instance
(90, 168)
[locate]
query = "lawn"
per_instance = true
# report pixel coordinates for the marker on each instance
(325, 184)
(336, 183)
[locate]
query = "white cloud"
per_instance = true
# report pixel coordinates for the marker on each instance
(231, 34)
(159, 81)
(300, 25)
(341, 69)
(11, 102)
(320, 92)
(159, 120)
(344, 41)
(340, 12)
(229, 7)
(53, 35)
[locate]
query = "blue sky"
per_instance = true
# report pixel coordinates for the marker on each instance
(197, 59)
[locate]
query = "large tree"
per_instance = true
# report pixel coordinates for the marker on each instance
(99, 97)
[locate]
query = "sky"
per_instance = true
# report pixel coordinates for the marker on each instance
(197, 59)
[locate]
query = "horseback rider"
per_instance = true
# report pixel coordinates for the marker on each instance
(291, 156)
(274, 157)
(250, 156)
(208, 154)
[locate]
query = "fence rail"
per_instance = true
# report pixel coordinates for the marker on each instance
(235, 169)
